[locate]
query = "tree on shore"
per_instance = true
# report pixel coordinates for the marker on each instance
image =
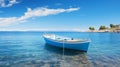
(91, 28)
(102, 27)
(112, 25)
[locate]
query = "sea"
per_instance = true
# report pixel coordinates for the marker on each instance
(28, 49)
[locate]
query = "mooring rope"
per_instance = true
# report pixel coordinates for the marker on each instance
(63, 54)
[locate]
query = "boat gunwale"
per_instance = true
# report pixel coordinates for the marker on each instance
(66, 42)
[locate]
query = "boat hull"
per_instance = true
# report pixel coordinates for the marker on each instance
(76, 46)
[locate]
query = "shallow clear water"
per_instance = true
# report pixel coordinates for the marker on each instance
(28, 49)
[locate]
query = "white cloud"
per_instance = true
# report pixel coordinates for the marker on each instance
(3, 3)
(44, 12)
(7, 21)
(38, 12)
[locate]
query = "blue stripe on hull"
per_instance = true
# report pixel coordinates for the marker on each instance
(77, 46)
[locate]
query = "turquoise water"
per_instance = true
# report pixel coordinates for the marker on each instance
(28, 49)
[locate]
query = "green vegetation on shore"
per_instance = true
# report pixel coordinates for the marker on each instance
(103, 28)
(91, 28)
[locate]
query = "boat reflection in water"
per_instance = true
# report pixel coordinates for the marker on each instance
(71, 58)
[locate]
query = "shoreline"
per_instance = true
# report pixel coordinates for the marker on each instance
(68, 31)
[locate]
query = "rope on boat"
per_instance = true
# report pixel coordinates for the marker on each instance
(63, 53)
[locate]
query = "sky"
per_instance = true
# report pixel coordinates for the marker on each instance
(57, 15)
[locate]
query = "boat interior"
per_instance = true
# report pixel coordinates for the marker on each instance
(63, 39)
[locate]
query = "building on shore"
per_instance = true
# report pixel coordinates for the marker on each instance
(117, 28)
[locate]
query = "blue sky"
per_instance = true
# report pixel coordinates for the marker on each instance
(72, 15)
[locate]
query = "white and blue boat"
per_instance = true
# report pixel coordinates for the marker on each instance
(65, 42)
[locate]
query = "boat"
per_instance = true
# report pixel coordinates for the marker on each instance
(65, 42)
